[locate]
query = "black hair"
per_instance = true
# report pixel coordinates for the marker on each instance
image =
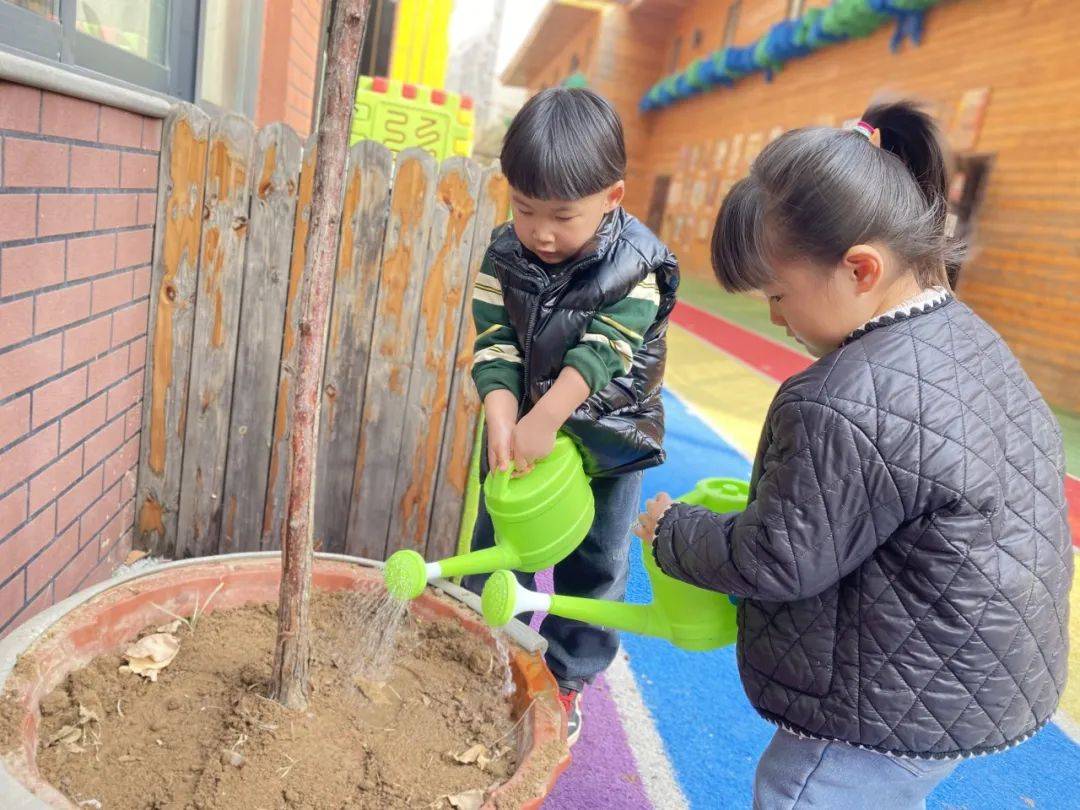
(564, 144)
(818, 191)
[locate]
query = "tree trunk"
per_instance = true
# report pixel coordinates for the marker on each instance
(348, 21)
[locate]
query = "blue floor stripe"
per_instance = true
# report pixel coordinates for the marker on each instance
(713, 736)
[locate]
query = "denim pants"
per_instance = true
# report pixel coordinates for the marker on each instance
(800, 774)
(597, 569)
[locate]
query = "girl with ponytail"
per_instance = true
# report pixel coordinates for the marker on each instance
(904, 562)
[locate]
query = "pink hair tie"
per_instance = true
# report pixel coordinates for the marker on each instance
(863, 128)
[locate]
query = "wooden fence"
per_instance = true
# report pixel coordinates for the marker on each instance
(398, 409)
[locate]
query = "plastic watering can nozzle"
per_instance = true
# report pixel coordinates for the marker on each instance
(406, 574)
(504, 597)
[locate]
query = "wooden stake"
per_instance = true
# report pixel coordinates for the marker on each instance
(291, 653)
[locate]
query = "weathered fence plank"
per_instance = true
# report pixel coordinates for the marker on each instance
(449, 251)
(172, 316)
(274, 189)
(217, 316)
(448, 496)
(396, 315)
(356, 287)
(275, 511)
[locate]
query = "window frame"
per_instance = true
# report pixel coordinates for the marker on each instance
(22, 30)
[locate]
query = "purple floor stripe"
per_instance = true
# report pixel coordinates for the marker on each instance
(603, 774)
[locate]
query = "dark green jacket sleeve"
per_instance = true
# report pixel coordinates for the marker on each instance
(496, 353)
(615, 333)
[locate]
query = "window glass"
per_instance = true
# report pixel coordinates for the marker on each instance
(140, 27)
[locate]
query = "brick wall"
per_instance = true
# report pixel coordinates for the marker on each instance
(290, 60)
(77, 206)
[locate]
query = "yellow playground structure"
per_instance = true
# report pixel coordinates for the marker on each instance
(408, 108)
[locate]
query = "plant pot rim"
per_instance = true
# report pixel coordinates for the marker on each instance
(18, 796)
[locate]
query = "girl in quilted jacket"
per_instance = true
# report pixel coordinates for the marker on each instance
(904, 562)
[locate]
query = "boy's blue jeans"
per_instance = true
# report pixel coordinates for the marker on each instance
(800, 774)
(597, 569)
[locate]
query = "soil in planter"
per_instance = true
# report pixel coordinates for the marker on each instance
(203, 736)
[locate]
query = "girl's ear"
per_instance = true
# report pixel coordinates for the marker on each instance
(865, 266)
(614, 196)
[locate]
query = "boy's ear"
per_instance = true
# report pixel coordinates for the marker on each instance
(614, 197)
(866, 267)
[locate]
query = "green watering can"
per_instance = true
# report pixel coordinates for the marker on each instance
(689, 617)
(538, 518)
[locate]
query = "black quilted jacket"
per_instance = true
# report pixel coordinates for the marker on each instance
(620, 428)
(905, 559)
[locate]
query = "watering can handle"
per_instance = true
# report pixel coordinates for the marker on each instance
(502, 479)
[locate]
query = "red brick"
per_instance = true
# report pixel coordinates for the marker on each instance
(151, 134)
(116, 528)
(71, 578)
(122, 462)
(132, 423)
(130, 323)
(16, 321)
(78, 425)
(61, 307)
(65, 213)
(59, 396)
(91, 256)
(14, 420)
(120, 127)
(35, 163)
(17, 216)
(105, 442)
(128, 393)
(26, 542)
(134, 247)
(78, 499)
(142, 283)
(138, 171)
(53, 480)
(86, 340)
(68, 117)
(95, 518)
(116, 211)
(37, 604)
(12, 511)
(20, 107)
(94, 168)
(136, 355)
(127, 485)
(30, 267)
(27, 457)
(11, 599)
(28, 365)
(108, 370)
(147, 209)
(113, 291)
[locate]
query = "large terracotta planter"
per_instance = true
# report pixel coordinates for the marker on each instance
(103, 618)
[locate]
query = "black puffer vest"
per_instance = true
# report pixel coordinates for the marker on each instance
(619, 429)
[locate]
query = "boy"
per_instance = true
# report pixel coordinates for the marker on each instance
(571, 310)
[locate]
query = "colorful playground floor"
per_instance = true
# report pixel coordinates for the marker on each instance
(668, 729)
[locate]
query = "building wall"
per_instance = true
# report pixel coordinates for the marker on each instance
(290, 63)
(1024, 276)
(77, 206)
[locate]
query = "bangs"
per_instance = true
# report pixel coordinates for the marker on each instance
(740, 250)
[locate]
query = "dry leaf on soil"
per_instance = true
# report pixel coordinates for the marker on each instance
(151, 654)
(477, 755)
(469, 800)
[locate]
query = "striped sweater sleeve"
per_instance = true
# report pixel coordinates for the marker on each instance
(496, 353)
(615, 333)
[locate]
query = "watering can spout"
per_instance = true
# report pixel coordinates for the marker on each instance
(504, 597)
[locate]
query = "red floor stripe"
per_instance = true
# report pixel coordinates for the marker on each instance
(780, 362)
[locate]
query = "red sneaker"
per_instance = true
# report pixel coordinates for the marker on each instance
(571, 703)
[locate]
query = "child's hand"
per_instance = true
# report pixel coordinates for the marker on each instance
(499, 432)
(500, 413)
(655, 508)
(534, 438)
